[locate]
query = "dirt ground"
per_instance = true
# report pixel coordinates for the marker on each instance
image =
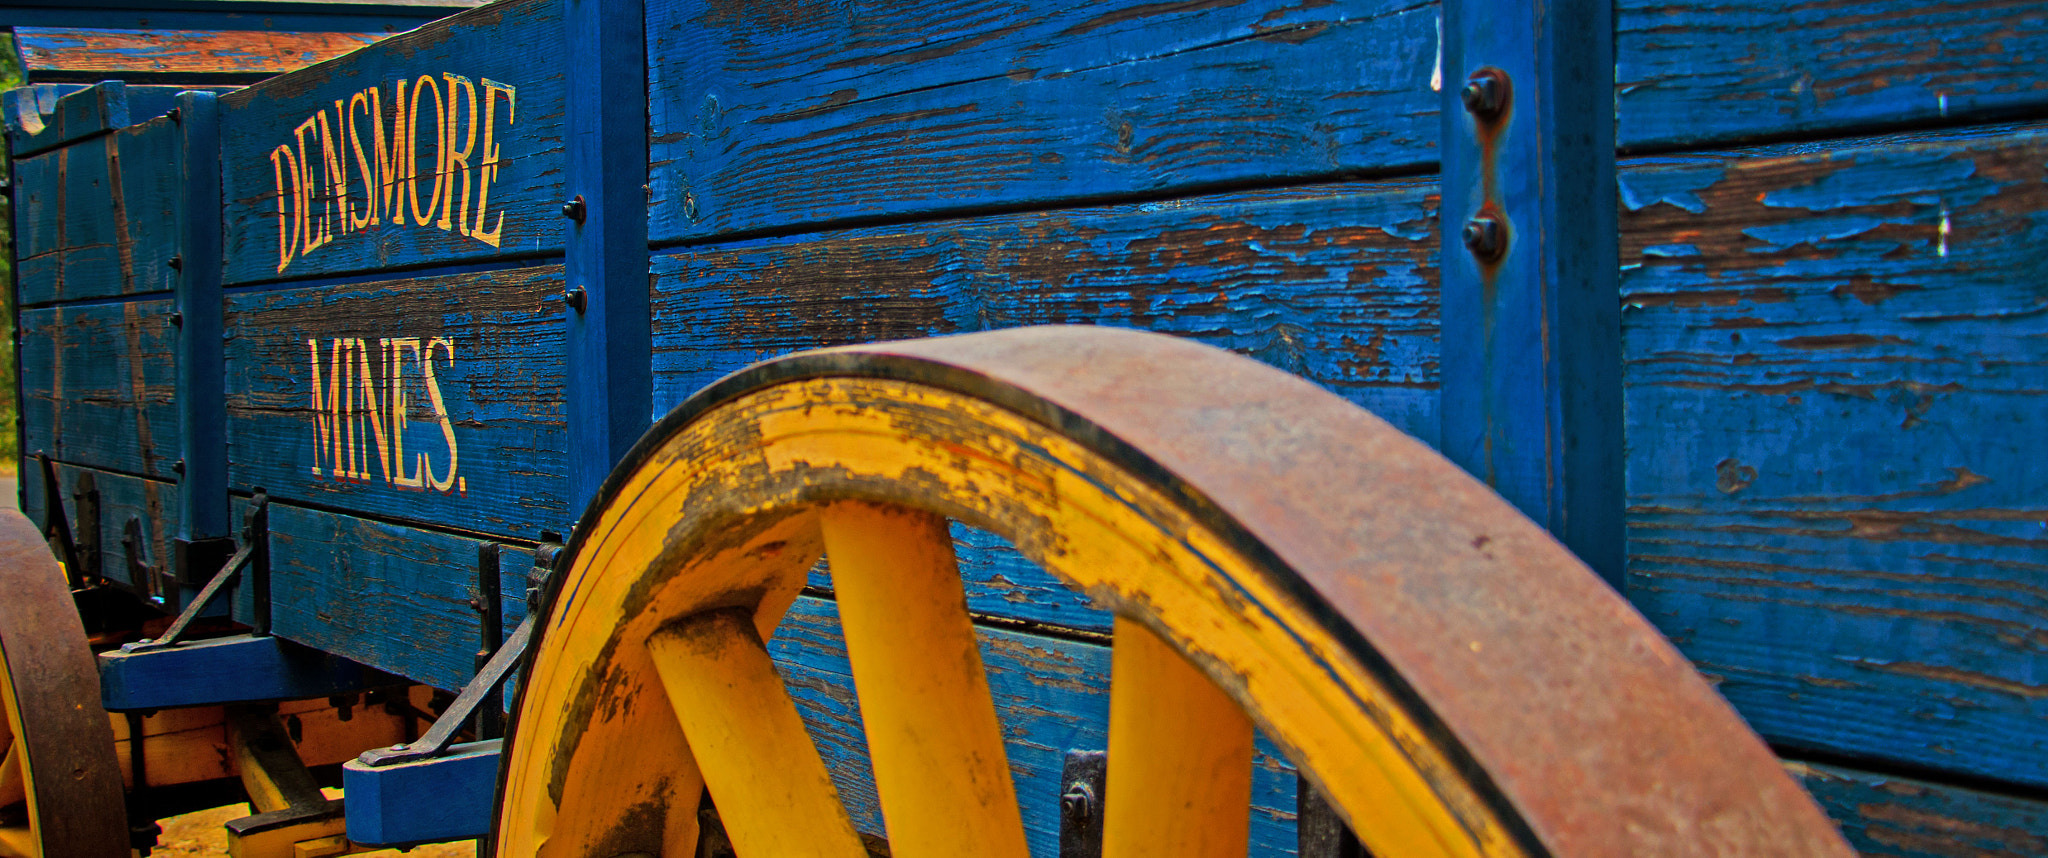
(200, 835)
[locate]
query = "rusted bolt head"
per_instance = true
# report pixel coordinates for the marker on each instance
(1486, 93)
(577, 299)
(177, 263)
(573, 209)
(1078, 801)
(1486, 236)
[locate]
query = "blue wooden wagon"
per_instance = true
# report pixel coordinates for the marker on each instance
(1339, 428)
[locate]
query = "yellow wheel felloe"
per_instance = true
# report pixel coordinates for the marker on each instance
(1237, 605)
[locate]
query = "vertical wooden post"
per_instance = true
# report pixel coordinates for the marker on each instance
(1531, 309)
(610, 387)
(204, 538)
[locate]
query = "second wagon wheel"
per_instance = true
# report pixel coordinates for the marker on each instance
(1453, 679)
(60, 782)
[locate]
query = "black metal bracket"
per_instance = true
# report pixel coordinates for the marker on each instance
(546, 556)
(57, 525)
(85, 498)
(140, 574)
(1319, 831)
(490, 607)
(193, 561)
(254, 556)
(1084, 779)
(484, 686)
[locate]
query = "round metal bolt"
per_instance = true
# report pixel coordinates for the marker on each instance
(690, 205)
(175, 114)
(1079, 800)
(1486, 93)
(577, 299)
(177, 319)
(573, 209)
(1486, 236)
(177, 263)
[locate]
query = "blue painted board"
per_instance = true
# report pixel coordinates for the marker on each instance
(392, 597)
(1051, 696)
(432, 399)
(1835, 369)
(1703, 72)
(1888, 816)
(245, 15)
(1335, 283)
(316, 181)
(99, 216)
(153, 504)
(425, 801)
(97, 382)
(170, 56)
(46, 116)
(202, 419)
(767, 121)
(232, 669)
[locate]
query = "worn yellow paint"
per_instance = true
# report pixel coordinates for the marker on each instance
(283, 842)
(13, 785)
(940, 769)
(772, 790)
(16, 841)
(722, 513)
(1181, 782)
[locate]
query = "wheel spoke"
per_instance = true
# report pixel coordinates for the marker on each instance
(1180, 754)
(940, 768)
(13, 786)
(18, 841)
(772, 790)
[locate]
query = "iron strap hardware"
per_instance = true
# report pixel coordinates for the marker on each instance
(254, 555)
(57, 525)
(1084, 783)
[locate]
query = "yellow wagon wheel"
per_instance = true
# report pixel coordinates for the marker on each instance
(1453, 679)
(60, 783)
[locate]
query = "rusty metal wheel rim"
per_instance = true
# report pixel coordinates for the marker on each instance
(1411, 621)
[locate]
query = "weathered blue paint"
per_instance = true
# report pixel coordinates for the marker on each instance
(490, 50)
(260, 15)
(426, 801)
(770, 120)
(1531, 337)
(1051, 696)
(392, 597)
(173, 57)
(1885, 815)
(1701, 73)
(97, 385)
(1834, 489)
(479, 384)
(202, 424)
(608, 385)
(233, 669)
(152, 504)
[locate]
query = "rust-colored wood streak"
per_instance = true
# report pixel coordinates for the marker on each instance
(151, 504)
(318, 180)
(1892, 816)
(93, 55)
(96, 382)
(766, 119)
(393, 597)
(1834, 381)
(98, 218)
(429, 399)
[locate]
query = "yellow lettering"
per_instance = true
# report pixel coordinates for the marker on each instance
(400, 413)
(424, 84)
(440, 484)
(488, 170)
(323, 422)
(337, 178)
(394, 164)
(344, 375)
(373, 405)
(453, 156)
(310, 238)
(287, 239)
(363, 168)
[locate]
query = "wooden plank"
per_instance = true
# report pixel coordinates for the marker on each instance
(277, 16)
(76, 53)
(316, 181)
(1051, 696)
(1884, 815)
(765, 121)
(391, 597)
(1835, 502)
(1334, 283)
(151, 503)
(101, 216)
(1700, 72)
(1183, 755)
(50, 115)
(97, 386)
(466, 432)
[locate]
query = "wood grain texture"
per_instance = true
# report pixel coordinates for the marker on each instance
(99, 54)
(1051, 696)
(478, 381)
(848, 110)
(511, 132)
(1835, 361)
(152, 503)
(1701, 72)
(1906, 818)
(392, 597)
(99, 217)
(1335, 283)
(97, 384)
